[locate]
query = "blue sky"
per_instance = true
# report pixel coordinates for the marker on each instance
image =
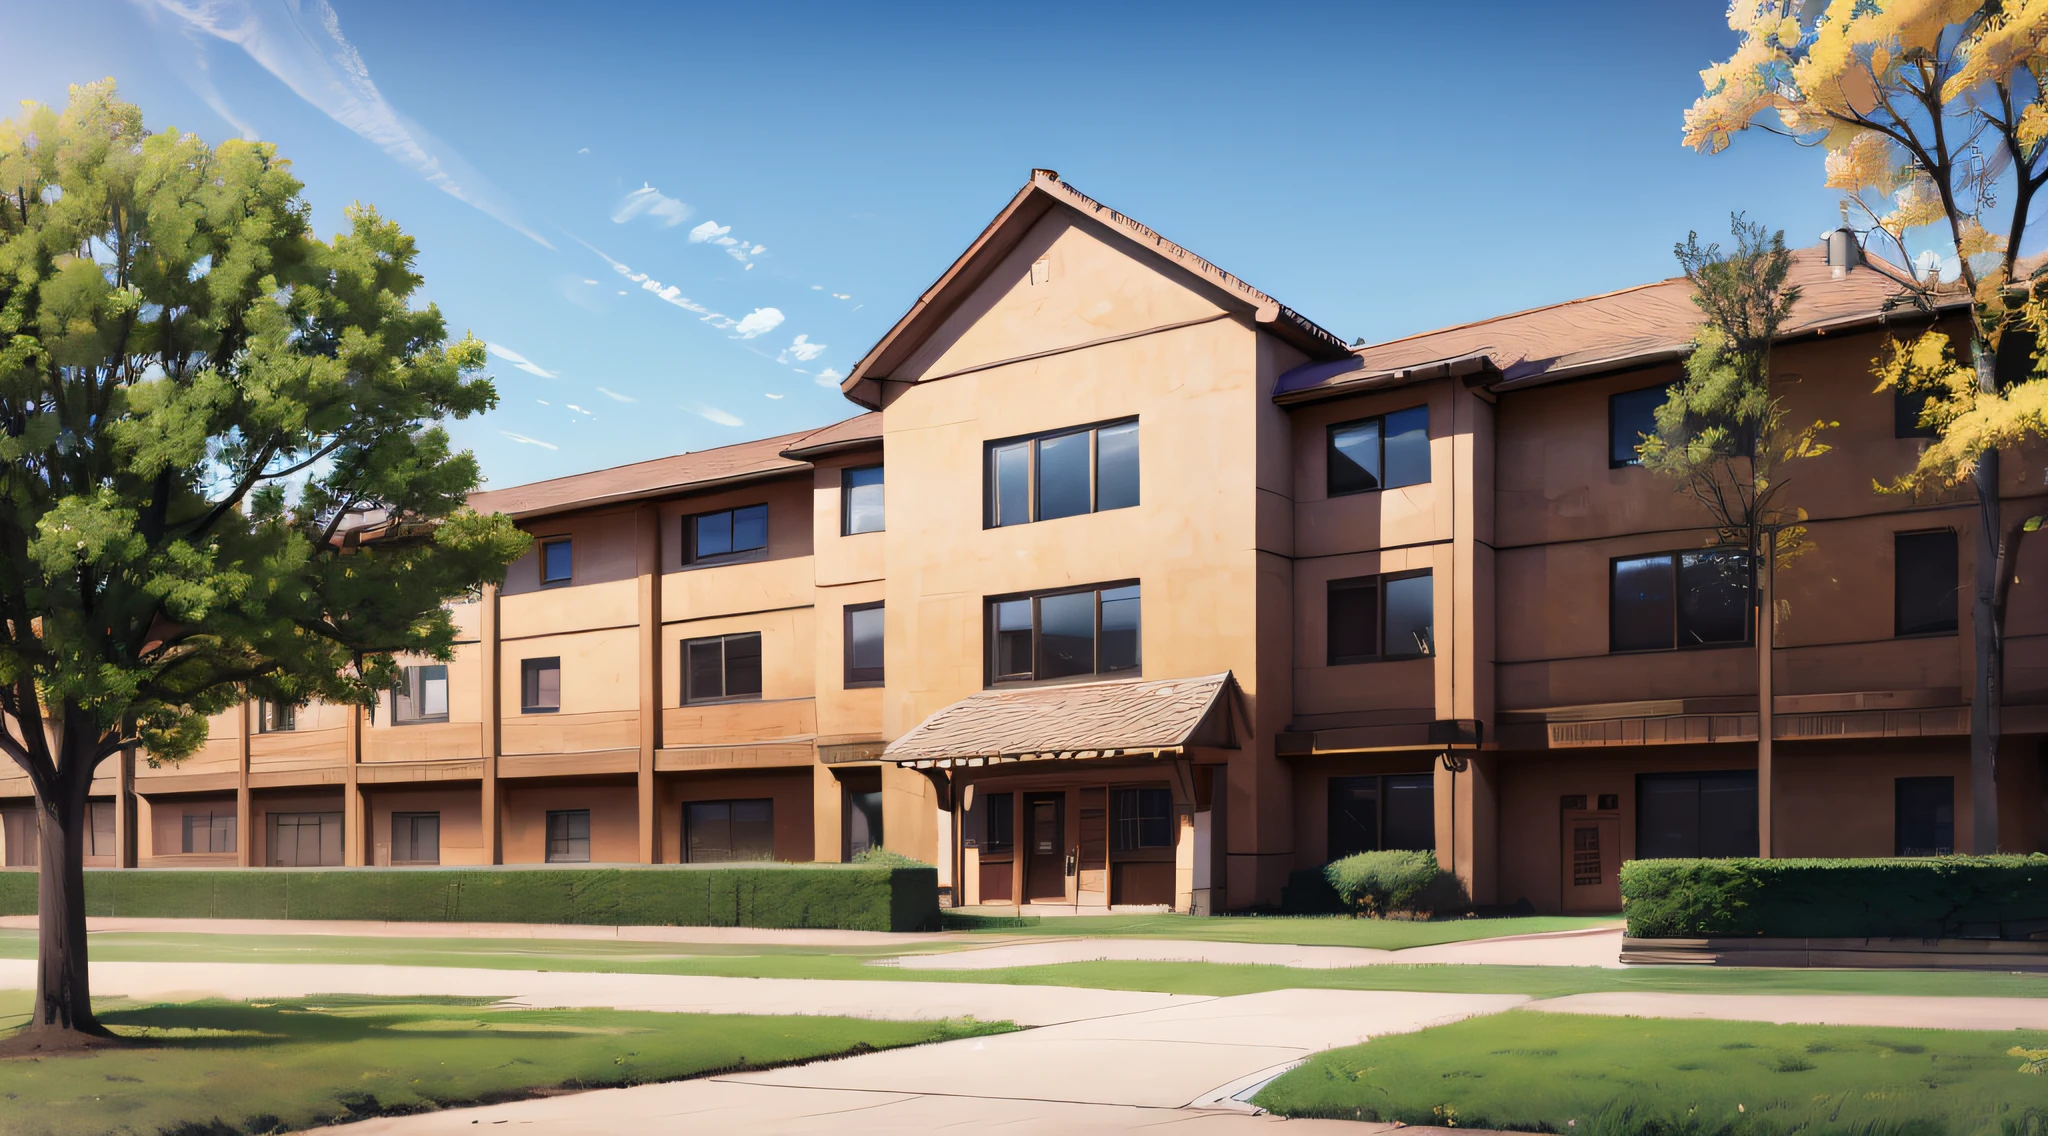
(1384, 172)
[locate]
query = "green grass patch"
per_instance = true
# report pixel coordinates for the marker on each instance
(260, 1067)
(1601, 1076)
(1299, 930)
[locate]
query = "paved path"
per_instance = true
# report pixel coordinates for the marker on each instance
(1598, 946)
(1815, 1009)
(391, 930)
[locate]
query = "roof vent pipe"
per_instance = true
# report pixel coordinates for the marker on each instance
(1843, 251)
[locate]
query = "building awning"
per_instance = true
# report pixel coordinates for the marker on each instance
(1125, 718)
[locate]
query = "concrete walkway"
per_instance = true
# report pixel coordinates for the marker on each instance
(768, 936)
(1816, 1009)
(1597, 946)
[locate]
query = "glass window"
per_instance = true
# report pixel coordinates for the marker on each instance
(1013, 639)
(1063, 474)
(1713, 598)
(1907, 407)
(1065, 634)
(1407, 447)
(1120, 631)
(421, 694)
(209, 832)
(1116, 466)
(861, 491)
(1369, 814)
(1143, 819)
(568, 836)
(1631, 417)
(710, 536)
(1409, 800)
(1001, 825)
(1924, 583)
(1643, 616)
(415, 838)
(1684, 599)
(716, 832)
(864, 645)
(1378, 453)
(1410, 616)
(555, 561)
(99, 832)
(540, 685)
(1354, 457)
(275, 717)
(863, 821)
(1925, 817)
(305, 840)
(1688, 815)
(1353, 616)
(724, 666)
(1354, 816)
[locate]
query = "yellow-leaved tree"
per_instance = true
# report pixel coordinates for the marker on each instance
(1932, 117)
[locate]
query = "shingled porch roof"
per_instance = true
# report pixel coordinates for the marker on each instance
(1123, 718)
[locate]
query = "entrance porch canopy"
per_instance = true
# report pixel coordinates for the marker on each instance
(1121, 718)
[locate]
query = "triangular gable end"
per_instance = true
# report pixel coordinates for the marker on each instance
(1040, 196)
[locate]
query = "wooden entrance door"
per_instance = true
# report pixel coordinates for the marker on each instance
(1045, 848)
(1592, 861)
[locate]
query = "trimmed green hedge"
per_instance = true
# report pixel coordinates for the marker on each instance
(1948, 897)
(1378, 883)
(854, 897)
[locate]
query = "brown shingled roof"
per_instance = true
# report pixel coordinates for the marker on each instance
(1634, 326)
(856, 433)
(703, 469)
(1095, 719)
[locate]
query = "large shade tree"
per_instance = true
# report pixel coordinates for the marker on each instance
(222, 473)
(1932, 118)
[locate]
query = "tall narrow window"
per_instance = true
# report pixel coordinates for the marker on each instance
(722, 667)
(100, 832)
(275, 717)
(1924, 583)
(415, 838)
(556, 561)
(1062, 474)
(1000, 827)
(863, 821)
(1380, 617)
(1631, 417)
(1378, 453)
(1065, 634)
(1924, 821)
(421, 694)
(568, 836)
(864, 645)
(1678, 599)
(540, 685)
(717, 832)
(727, 535)
(861, 494)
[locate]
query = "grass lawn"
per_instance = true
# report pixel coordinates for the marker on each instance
(613, 957)
(230, 1067)
(1600, 1076)
(1302, 930)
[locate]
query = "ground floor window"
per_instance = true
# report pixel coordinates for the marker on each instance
(20, 838)
(209, 832)
(99, 834)
(569, 836)
(1143, 818)
(718, 831)
(305, 840)
(1370, 814)
(863, 821)
(1925, 817)
(1687, 815)
(415, 838)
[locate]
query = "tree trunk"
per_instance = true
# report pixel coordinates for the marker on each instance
(1986, 706)
(63, 1006)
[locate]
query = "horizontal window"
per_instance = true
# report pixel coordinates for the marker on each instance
(1063, 634)
(860, 495)
(1085, 470)
(1378, 453)
(722, 667)
(1679, 599)
(556, 561)
(1381, 617)
(209, 832)
(1369, 814)
(730, 534)
(275, 717)
(421, 694)
(540, 685)
(864, 645)
(1631, 417)
(718, 832)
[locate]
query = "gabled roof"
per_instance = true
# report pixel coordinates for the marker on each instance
(1124, 717)
(1043, 193)
(736, 464)
(1633, 327)
(861, 432)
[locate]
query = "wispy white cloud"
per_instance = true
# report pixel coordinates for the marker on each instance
(802, 350)
(579, 409)
(710, 231)
(719, 236)
(300, 42)
(829, 379)
(713, 414)
(653, 203)
(518, 360)
(615, 396)
(774, 396)
(526, 441)
(589, 281)
(758, 322)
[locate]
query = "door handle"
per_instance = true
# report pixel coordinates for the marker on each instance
(1070, 861)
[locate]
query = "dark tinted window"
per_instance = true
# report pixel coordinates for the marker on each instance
(1925, 817)
(540, 685)
(1116, 466)
(863, 821)
(1354, 816)
(415, 838)
(1410, 620)
(1407, 447)
(1119, 650)
(569, 836)
(1713, 597)
(1368, 814)
(1924, 582)
(1013, 639)
(716, 832)
(1143, 819)
(864, 645)
(1632, 416)
(1686, 815)
(862, 493)
(554, 561)
(1354, 457)
(730, 532)
(1354, 620)
(1410, 802)
(1066, 635)
(1906, 408)
(1378, 453)
(1063, 475)
(1000, 823)
(725, 666)
(1011, 472)
(1642, 616)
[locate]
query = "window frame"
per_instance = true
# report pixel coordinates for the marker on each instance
(728, 803)
(274, 717)
(1378, 584)
(737, 555)
(1005, 818)
(991, 512)
(1955, 593)
(548, 855)
(1120, 819)
(413, 678)
(220, 828)
(1637, 461)
(846, 488)
(1678, 642)
(529, 670)
(542, 546)
(1330, 450)
(992, 638)
(724, 670)
(846, 643)
(412, 843)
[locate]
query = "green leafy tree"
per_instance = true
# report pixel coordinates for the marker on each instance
(222, 473)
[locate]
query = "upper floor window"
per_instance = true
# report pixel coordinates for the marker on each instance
(864, 645)
(540, 685)
(1924, 583)
(1379, 453)
(1085, 470)
(860, 498)
(1679, 599)
(421, 694)
(1907, 407)
(1381, 617)
(1631, 417)
(725, 535)
(555, 561)
(1063, 634)
(722, 667)
(275, 717)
